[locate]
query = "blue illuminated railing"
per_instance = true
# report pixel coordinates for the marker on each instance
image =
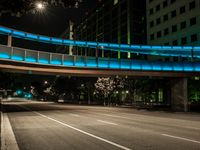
(174, 51)
(45, 58)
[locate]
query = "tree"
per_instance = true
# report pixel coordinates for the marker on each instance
(104, 87)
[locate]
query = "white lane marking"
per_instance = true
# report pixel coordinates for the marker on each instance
(75, 115)
(79, 130)
(187, 127)
(84, 132)
(107, 122)
(193, 128)
(181, 138)
(116, 116)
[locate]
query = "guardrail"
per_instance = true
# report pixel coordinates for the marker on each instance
(56, 59)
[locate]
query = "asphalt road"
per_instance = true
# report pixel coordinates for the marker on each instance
(50, 126)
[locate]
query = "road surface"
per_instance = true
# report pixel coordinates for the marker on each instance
(51, 126)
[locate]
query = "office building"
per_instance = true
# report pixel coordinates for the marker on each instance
(113, 21)
(173, 22)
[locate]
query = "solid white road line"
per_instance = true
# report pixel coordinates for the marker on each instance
(84, 132)
(79, 130)
(181, 138)
(107, 122)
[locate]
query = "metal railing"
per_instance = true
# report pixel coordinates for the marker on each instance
(56, 59)
(170, 51)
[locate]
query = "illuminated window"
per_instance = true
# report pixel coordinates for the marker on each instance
(115, 2)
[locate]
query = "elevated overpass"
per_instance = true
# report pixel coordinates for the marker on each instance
(14, 59)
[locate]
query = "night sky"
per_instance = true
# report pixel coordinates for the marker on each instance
(52, 22)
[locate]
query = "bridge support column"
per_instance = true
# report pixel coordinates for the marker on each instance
(179, 94)
(9, 43)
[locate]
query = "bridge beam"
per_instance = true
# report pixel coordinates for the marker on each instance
(179, 94)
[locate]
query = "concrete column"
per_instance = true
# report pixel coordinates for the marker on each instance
(179, 94)
(9, 43)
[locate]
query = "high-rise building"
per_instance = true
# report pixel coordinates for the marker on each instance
(173, 22)
(113, 21)
(67, 34)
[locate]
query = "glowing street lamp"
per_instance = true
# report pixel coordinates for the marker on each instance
(39, 6)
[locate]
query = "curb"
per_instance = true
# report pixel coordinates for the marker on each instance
(8, 141)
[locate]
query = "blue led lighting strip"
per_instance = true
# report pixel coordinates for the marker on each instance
(99, 63)
(174, 51)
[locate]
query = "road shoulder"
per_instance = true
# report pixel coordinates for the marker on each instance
(8, 140)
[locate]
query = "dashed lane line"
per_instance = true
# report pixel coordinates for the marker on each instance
(181, 138)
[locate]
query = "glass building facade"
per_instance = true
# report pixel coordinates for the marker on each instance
(113, 21)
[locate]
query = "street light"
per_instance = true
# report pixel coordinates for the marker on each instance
(40, 6)
(45, 82)
(127, 92)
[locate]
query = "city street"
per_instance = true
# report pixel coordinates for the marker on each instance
(47, 125)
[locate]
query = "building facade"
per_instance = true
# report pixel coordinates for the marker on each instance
(67, 34)
(113, 21)
(173, 22)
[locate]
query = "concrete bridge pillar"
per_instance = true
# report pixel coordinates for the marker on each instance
(179, 94)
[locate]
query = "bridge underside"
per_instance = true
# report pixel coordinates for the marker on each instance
(30, 68)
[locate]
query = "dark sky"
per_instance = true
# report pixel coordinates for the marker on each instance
(52, 22)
